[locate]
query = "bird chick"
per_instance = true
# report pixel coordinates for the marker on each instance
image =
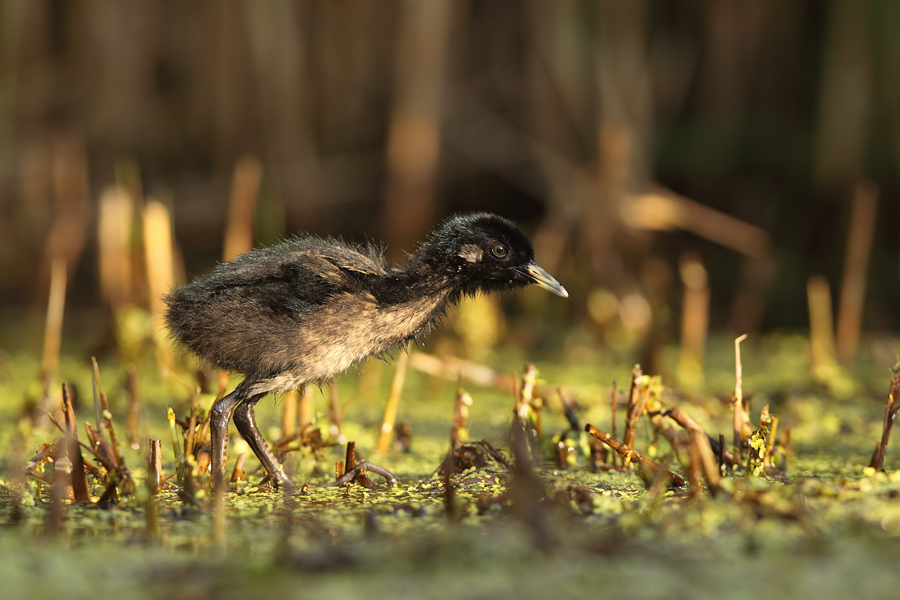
(308, 308)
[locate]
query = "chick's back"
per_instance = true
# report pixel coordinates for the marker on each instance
(267, 311)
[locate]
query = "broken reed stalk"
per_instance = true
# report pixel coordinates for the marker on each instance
(821, 323)
(350, 457)
(386, 431)
(702, 460)
(56, 305)
(707, 453)
(635, 406)
(242, 208)
(856, 262)
(238, 473)
(304, 406)
(78, 475)
(69, 412)
(693, 470)
(562, 451)
(891, 408)
(459, 434)
(289, 414)
(663, 209)
(647, 469)
(97, 388)
(414, 126)
(101, 448)
(73, 451)
(568, 410)
(525, 395)
(737, 400)
(114, 235)
(97, 447)
(694, 319)
(107, 423)
(154, 467)
(350, 466)
(160, 264)
(451, 368)
(700, 442)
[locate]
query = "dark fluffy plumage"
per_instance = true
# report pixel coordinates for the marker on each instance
(307, 309)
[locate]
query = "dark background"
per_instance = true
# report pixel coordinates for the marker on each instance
(372, 120)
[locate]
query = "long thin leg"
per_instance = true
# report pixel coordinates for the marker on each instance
(245, 421)
(219, 416)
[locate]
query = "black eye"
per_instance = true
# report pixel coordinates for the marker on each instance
(499, 251)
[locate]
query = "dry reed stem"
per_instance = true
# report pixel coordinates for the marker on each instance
(414, 127)
(114, 233)
(821, 322)
(97, 389)
(891, 408)
(56, 305)
(289, 413)
(703, 450)
(689, 424)
(665, 210)
(459, 433)
(242, 208)
(694, 319)
(527, 402)
(386, 431)
(635, 406)
(154, 485)
(73, 451)
(856, 262)
(738, 401)
(648, 469)
(106, 418)
(305, 407)
(154, 467)
(160, 263)
(451, 368)
(238, 473)
(693, 470)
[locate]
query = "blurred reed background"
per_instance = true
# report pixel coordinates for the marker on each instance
(702, 159)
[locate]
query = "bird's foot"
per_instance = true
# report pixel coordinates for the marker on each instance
(279, 480)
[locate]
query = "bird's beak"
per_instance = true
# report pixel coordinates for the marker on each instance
(543, 279)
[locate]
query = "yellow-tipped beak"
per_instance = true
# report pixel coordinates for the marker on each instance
(543, 279)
